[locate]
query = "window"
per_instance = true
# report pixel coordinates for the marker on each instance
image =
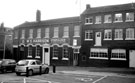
(66, 31)
(30, 51)
(31, 33)
(108, 18)
(89, 20)
(47, 32)
(16, 35)
(118, 54)
(74, 42)
(118, 34)
(38, 51)
(65, 53)
(23, 34)
(55, 52)
(130, 16)
(76, 31)
(88, 35)
(99, 53)
(118, 17)
(56, 32)
(108, 34)
(98, 20)
(129, 33)
(38, 33)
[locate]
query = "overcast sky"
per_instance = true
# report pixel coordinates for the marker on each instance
(16, 12)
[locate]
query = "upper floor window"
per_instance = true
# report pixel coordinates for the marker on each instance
(76, 31)
(108, 34)
(89, 20)
(16, 35)
(23, 34)
(47, 32)
(98, 20)
(38, 33)
(108, 18)
(31, 33)
(130, 16)
(129, 33)
(88, 35)
(118, 17)
(56, 32)
(66, 31)
(118, 34)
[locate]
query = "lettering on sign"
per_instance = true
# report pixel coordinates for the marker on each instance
(37, 41)
(58, 41)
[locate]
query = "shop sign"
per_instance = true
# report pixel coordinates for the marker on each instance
(59, 40)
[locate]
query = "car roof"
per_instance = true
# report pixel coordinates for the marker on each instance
(29, 60)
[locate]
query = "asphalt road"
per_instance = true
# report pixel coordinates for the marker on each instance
(61, 77)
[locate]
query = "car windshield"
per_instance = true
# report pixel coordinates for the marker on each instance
(22, 63)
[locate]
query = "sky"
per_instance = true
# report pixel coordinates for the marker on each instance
(16, 12)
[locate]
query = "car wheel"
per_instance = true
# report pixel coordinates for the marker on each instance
(46, 71)
(30, 72)
(18, 74)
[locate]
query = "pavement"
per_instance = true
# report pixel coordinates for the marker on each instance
(103, 71)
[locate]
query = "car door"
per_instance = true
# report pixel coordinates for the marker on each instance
(34, 67)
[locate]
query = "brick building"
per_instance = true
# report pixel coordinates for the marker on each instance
(55, 41)
(108, 36)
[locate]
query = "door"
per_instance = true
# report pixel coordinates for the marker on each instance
(46, 56)
(75, 59)
(132, 58)
(98, 39)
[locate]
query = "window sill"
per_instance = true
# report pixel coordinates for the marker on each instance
(37, 57)
(117, 59)
(98, 58)
(55, 58)
(88, 39)
(107, 39)
(119, 39)
(117, 21)
(29, 56)
(88, 23)
(98, 23)
(64, 58)
(76, 36)
(129, 21)
(130, 39)
(65, 37)
(107, 22)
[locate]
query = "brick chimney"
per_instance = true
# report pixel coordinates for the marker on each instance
(38, 16)
(2, 25)
(87, 6)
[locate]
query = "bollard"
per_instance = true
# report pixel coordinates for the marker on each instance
(27, 72)
(40, 70)
(54, 68)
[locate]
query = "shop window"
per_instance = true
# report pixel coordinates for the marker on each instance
(55, 52)
(118, 54)
(129, 16)
(130, 34)
(38, 50)
(30, 51)
(65, 53)
(108, 34)
(98, 53)
(88, 35)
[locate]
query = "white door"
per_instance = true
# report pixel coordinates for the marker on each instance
(98, 39)
(46, 56)
(132, 58)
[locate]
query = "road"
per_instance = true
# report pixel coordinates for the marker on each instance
(61, 77)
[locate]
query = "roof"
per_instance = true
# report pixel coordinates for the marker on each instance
(50, 22)
(110, 8)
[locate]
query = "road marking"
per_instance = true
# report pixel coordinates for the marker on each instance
(99, 79)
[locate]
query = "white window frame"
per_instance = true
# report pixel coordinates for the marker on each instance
(66, 32)
(65, 53)
(108, 18)
(38, 51)
(130, 35)
(118, 34)
(55, 52)
(118, 53)
(118, 18)
(108, 34)
(23, 34)
(47, 32)
(31, 33)
(89, 34)
(89, 20)
(77, 31)
(98, 53)
(56, 32)
(98, 20)
(30, 51)
(129, 16)
(38, 33)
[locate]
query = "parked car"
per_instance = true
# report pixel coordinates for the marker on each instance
(33, 67)
(7, 65)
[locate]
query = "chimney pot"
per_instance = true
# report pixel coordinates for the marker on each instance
(38, 16)
(88, 6)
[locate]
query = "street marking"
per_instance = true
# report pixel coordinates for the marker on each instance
(99, 79)
(84, 79)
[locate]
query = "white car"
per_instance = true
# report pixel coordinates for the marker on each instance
(33, 67)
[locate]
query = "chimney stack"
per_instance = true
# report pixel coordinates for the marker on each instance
(2, 25)
(38, 16)
(88, 6)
